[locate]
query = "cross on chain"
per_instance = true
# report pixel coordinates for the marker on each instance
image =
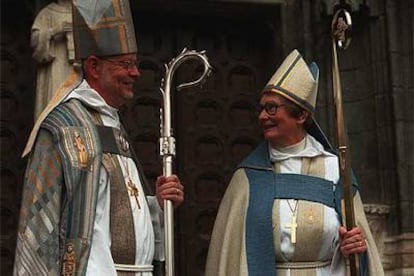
(292, 225)
(133, 191)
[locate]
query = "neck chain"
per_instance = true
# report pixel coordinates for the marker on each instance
(132, 188)
(294, 209)
(293, 224)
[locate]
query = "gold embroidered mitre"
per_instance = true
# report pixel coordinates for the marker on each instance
(103, 28)
(296, 81)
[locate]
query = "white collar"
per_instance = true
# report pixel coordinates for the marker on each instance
(93, 99)
(308, 147)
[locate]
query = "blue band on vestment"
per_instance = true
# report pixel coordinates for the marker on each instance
(265, 186)
(304, 187)
(364, 264)
(260, 251)
(261, 259)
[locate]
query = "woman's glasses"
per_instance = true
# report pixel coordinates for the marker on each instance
(270, 108)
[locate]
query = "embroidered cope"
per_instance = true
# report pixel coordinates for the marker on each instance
(100, 260)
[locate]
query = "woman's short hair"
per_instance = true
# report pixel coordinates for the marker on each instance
(296, 111)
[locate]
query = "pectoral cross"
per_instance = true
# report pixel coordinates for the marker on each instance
(133, 191)
(293, 225)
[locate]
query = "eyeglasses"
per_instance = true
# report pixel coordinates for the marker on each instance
(271, 108)
(126, 64)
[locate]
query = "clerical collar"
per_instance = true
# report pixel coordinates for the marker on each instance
(91, 98)
(308, 147)
(293, 149)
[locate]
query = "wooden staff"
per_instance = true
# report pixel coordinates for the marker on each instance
(341, 26)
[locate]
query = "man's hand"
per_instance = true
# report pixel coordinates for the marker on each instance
(169, 188)
(352, 241)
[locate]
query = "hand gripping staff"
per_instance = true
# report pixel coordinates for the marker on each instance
(341, 26)
(167, 141)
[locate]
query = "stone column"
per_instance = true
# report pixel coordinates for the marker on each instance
(376, 215)
(399, 255)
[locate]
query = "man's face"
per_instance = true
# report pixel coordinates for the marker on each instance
(280, 128)
(116, 78)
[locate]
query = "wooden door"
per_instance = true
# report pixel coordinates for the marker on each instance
(215, 126)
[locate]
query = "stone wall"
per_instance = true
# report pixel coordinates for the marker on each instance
(377, 83)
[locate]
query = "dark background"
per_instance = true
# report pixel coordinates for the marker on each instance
(215, 126)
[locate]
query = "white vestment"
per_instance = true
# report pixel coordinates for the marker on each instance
(100, 259)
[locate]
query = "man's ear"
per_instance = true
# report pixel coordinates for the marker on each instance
(92, 66)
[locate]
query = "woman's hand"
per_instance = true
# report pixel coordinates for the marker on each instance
(169, 188)
(352, 241)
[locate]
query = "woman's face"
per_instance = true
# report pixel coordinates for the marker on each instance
(280, 128)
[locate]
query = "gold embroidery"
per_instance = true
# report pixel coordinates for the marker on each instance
(69, 260)
(310, 216)
(80, 146)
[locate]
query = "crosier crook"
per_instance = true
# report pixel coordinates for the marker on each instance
(167, 141)
(341, 27)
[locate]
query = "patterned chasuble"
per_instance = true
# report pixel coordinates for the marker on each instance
(60, 194)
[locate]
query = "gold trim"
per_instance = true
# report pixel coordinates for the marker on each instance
(74, 78)
(69, 260)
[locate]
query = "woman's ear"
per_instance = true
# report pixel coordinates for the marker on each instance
(303, 116)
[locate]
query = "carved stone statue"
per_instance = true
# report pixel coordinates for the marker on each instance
(53, 49)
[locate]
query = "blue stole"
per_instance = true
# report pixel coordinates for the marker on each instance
(266, 185)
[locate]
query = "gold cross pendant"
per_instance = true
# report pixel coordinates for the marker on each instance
(133, 191)
(293, 225)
